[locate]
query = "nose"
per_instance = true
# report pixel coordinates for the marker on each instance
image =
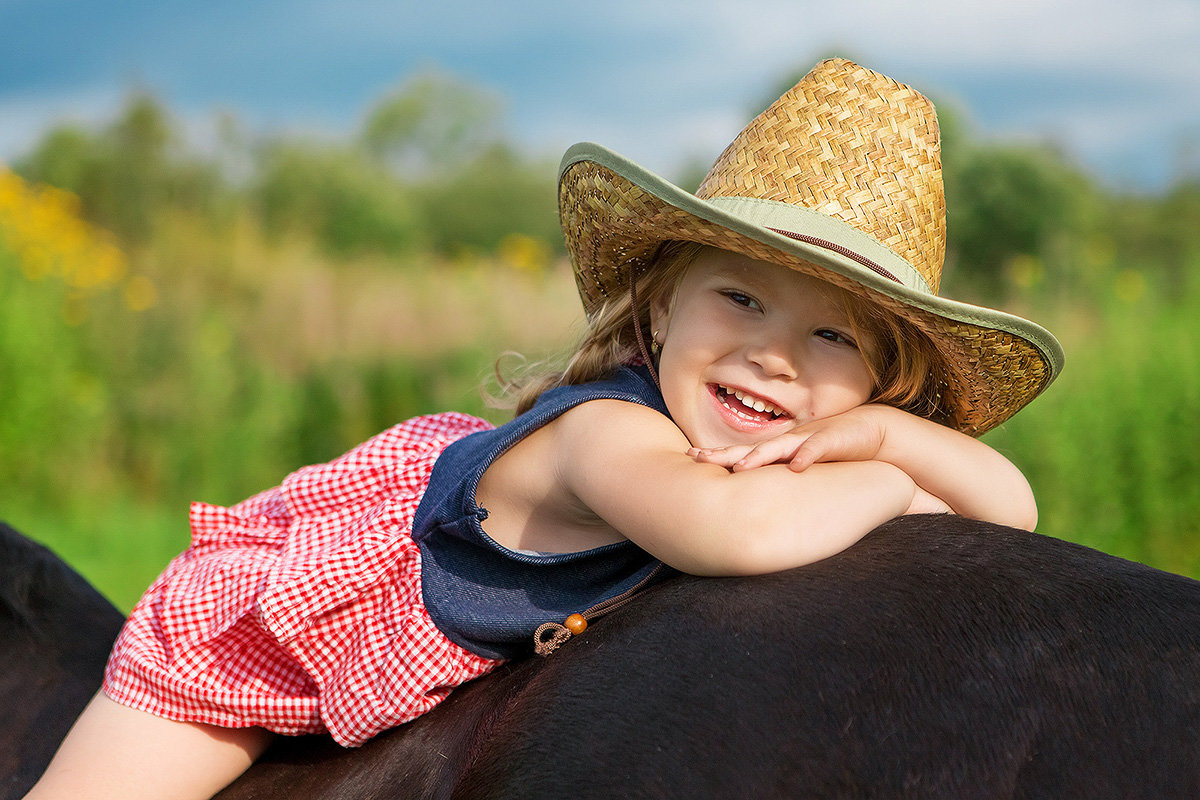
(775, 356)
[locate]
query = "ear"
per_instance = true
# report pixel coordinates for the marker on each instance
(660, 314)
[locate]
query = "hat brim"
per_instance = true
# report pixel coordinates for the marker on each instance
(615, 214)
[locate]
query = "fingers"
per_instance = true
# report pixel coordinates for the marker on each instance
(808, 453)
(722, 456)
(849, 436)
(779, 450)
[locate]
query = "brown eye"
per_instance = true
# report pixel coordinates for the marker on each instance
(830, 335)
(742, 299)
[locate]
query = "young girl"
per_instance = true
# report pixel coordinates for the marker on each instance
(768, 374)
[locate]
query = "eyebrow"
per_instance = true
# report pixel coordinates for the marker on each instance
(740, 274)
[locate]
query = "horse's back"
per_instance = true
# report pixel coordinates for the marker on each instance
(939, 657)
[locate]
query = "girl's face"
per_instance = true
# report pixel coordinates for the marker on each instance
(751, 349)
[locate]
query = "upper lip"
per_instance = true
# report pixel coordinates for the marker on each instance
(758, 395)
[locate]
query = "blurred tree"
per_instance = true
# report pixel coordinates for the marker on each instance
(1159, 233)
(494, 195)
(340, 196)
(137, 181)
(1006, 202)
(430, 167)
(63, 159)
(1180, 226)
(431, 124)
(128, 173)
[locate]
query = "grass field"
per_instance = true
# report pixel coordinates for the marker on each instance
(210, 367)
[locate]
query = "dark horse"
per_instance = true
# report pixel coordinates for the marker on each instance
(939, 657)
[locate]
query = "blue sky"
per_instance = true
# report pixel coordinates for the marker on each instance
(1113, 83)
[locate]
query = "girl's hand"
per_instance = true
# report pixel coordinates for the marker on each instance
(856, 435)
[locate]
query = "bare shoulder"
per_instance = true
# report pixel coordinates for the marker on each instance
(614, 446)
(529, 490)
(613, 424)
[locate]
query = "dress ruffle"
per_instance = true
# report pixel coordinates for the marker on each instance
(299, 609)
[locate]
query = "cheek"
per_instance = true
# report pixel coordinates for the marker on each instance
(862, 383)
(852, 386)
(676, 375)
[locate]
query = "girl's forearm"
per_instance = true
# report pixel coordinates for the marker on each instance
(972, 478)
(772, 518)
(703, 518)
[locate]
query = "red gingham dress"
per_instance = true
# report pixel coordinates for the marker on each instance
(299, 610)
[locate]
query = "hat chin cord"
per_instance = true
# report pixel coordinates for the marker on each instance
(637, 332)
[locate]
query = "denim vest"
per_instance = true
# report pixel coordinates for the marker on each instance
(490, 599)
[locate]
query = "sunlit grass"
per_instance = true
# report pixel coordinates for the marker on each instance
(255, 359)
(1112, 448)
(117, 544)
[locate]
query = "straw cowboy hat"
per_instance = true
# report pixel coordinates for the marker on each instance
(840, 178)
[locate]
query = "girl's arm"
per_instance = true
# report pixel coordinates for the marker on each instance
(629, 466)
(972, 478)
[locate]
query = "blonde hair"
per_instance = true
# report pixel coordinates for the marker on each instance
(907, 367)
(610, 339)
(904, 363)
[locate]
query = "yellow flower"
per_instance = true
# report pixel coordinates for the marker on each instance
(524, 252)
(42, 226)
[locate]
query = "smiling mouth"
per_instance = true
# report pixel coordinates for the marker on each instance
(748, 406)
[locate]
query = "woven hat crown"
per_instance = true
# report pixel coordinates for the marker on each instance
(854, 145)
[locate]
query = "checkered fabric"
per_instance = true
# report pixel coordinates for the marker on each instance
(299, 610)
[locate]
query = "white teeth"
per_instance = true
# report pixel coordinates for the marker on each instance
(750, 401)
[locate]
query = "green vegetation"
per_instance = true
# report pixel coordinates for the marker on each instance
(181, 327)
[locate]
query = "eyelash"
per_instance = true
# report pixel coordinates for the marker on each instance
(841, 338)
(737, 297)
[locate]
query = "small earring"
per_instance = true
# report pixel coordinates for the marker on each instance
(655, 344)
